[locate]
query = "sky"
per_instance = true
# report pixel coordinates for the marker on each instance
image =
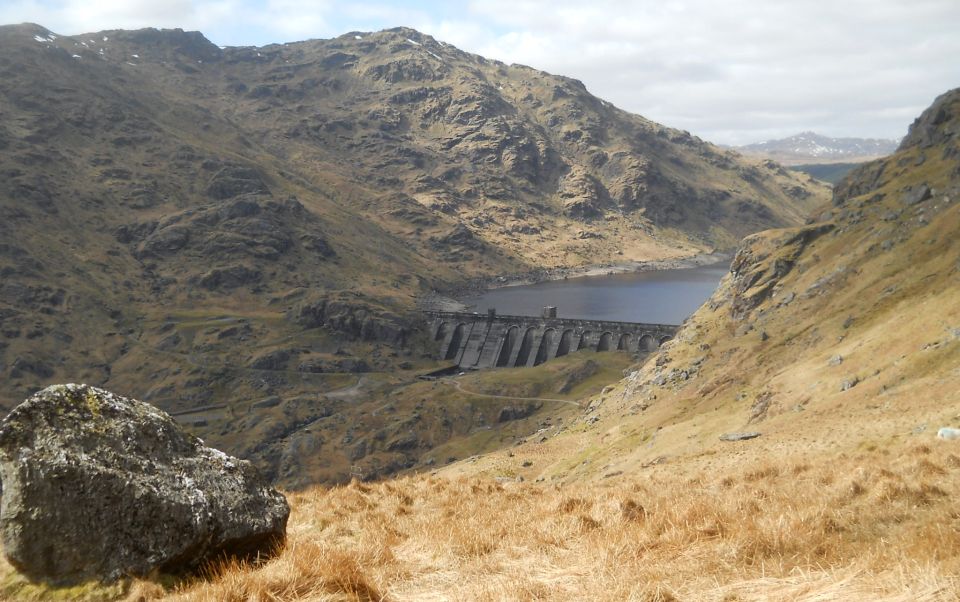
(729, 71)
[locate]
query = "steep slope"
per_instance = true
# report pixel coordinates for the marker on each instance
(217, 228)
(513, 151)
(840, 335)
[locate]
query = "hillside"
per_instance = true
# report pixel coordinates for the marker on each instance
(835, 345)
(194, 225)
(840, 334)
(810, 147)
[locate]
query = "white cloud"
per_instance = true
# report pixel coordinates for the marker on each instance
(294, 19)
(735, 71)
(740, 70)
(79, 16)
(71, 17)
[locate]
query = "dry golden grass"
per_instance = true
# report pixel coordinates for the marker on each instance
(883, 525)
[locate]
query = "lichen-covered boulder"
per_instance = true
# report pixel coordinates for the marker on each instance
(99, 486)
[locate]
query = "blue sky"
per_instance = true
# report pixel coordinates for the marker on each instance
(733, 72)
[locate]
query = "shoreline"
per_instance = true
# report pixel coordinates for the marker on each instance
(447, 300)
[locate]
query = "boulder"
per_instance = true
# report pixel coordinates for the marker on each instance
(100, 486)
(916, 194)
(948, 433)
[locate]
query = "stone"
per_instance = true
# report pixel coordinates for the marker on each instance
(358, 451)
(268, 402)
(37, 367)
(164, 242)
(739, 436)
(948, 433)
(916, 194)
(100, 486)
(849, 383)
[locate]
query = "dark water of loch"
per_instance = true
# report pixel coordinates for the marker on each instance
(655, 297)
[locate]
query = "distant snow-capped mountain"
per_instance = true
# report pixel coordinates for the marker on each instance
(809, 147)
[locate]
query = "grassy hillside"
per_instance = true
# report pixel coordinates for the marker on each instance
(837, 343)
(868, 526)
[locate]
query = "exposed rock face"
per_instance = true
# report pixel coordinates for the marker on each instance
(764, 259)
(937, 125)
(97, 486)
(356, 319)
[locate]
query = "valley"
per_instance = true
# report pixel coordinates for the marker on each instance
(783, 446)
(197, 226)
(280, 246)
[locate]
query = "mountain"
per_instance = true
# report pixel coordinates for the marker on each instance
(809, 147)
(241, 235)
(194, 225)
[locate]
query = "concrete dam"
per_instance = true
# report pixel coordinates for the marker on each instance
(490, 340)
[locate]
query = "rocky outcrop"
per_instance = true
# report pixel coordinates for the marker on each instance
(936, 125)
(99, 486)
(583, 196)
(259, 228)
(357, 320)
(517, 412)
(934, 128)
(763, 260)
(456, 244)
(233, 181)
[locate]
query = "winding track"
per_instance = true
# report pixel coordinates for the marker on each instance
(460, 388)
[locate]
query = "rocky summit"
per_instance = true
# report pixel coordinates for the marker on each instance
(99, 486)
